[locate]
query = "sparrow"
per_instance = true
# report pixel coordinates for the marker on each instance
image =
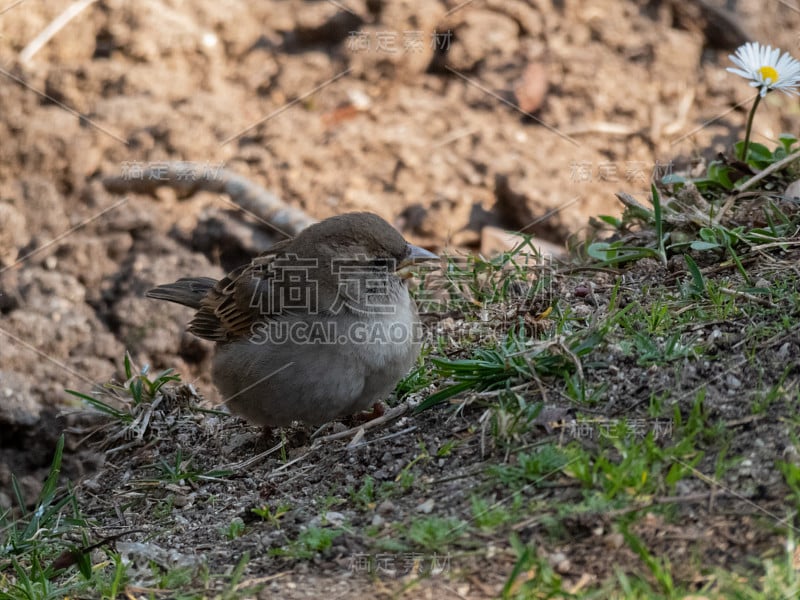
(317, 328)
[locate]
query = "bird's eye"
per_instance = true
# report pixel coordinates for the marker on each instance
(384, 264)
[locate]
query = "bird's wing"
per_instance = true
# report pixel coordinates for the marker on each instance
(238, 301)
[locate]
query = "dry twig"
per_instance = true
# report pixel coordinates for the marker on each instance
(56, 25)
(187, 178)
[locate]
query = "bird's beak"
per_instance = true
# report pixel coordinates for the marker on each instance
(415, 255)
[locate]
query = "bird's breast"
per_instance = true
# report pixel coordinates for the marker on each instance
(389, 339)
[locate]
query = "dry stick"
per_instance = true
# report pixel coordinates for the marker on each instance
(187, 178)
(353, 444)
(687, 499)
(386, 417)
(56, 25)
(292, 462)
(356, 432)
(658, 501)
(746, 296)
(259, 580)
(246, 464)
(725, 208)
(776, 245)
(768, 171)
(604, 127)
(631, 202)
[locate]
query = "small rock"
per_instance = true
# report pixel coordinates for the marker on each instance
(792, 191)
(18, 407)
(615, 540)
(582, 311)
(386, 507)
(733, 382)
(531, 90)
(426, 507)
(582, 290)
(482, 36)
(182, 500)
(329, 518)
(790, 454)
(377, 520)
(31, 487)
(13, 233)
(209, 40)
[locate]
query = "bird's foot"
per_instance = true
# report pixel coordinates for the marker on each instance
(268, 438)
(378, 410)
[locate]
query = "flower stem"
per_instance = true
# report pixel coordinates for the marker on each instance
(746, 145)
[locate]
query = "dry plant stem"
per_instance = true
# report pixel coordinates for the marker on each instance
(725, 208)
(751, 297)
(630, 202)
(56, 25)
(494, 393)
(679, 122)
(186, 178)
(687, 499)
(357, 432)
(291, 463)
(778, 337)
(253, 460)
(384, 418)
(776, 245)
(604, 127)
(768, 171)
(248, 583)
(390, 436)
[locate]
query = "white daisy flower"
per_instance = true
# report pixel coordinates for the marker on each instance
(767, 68)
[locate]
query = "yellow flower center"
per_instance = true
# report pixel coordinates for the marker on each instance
(768, 74)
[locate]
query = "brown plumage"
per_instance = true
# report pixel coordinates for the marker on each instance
(336, 276)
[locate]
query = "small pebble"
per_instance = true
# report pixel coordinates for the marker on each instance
(556, 558)
(209, 40)
(733, 382)
(329, 518)
(762, 283)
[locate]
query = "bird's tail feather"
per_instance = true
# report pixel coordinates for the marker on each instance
(188, 291)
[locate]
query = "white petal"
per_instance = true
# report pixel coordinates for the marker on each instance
(739, 72)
